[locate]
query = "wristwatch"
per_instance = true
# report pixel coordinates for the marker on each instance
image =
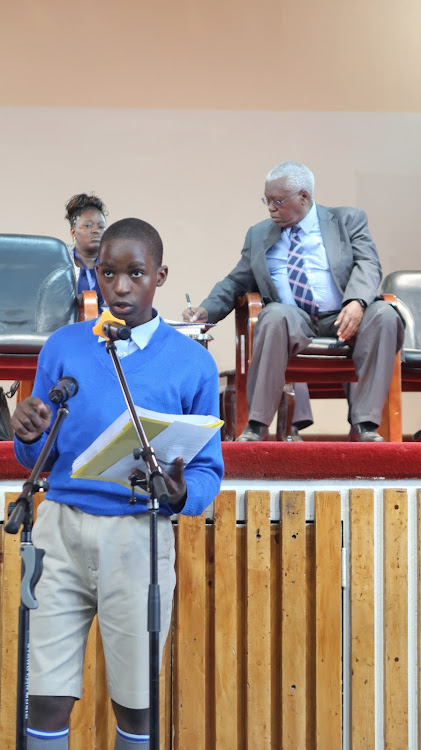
(362, 302)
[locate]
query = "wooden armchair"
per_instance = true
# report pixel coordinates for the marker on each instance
(406, 288)
(37, 296)
(324, 365)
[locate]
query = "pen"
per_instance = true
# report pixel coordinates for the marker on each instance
(189, 304)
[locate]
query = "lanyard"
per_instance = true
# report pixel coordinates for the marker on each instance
(90, 273)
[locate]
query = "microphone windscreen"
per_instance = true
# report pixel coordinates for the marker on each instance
(66, 388)
(106, 317)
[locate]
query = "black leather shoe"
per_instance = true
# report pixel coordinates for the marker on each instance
(365, 432)
(417, 436)
(254, 433)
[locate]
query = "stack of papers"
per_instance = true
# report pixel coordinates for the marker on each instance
(190, 329)
(110, 456)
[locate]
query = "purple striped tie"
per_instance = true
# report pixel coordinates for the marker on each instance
(297, 277)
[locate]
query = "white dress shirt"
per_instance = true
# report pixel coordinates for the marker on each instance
(140, 337)
(315, 260)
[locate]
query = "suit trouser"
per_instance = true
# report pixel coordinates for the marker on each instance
(303, 415)
(282, 331)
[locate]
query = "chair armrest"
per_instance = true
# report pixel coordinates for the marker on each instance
(406, 317)
(400, 307)
(247, 309)
(252, 301)
(87, 305)
(388, 297)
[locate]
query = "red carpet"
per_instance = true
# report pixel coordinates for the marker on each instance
(324, 460)
(307, 460)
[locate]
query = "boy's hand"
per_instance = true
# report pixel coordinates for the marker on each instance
(31, 418)
(174, 480)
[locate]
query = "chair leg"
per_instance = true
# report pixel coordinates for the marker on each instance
(24, 390)
(391, 424)
(227, 407)
(285, 414)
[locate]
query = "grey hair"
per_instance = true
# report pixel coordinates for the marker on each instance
(298, 176)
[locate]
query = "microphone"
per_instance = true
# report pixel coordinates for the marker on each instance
(115, 331)
(111, 328)
(66, 388)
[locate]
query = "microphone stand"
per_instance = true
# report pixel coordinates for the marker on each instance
(156, 487)
(21, 514)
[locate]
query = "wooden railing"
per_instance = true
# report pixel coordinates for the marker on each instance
(255, 658)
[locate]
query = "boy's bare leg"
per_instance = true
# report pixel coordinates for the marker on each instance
(48, 722)
(134, 722)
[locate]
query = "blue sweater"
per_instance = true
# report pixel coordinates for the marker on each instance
(172, 374)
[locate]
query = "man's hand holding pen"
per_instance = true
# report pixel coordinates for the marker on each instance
(194, 314)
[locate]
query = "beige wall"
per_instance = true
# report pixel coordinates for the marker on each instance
(229, 54)
(175, 113)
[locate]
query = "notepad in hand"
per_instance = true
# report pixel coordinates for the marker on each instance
(110, 456)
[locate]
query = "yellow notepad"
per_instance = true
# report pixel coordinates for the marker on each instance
(110, 456)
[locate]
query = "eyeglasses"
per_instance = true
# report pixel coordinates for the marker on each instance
(277, 203)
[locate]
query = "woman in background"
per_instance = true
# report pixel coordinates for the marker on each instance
(86, 216)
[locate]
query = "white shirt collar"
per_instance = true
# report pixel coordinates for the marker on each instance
(140, 336)
(309, 220)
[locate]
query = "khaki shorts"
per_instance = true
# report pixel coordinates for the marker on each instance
(96, 564)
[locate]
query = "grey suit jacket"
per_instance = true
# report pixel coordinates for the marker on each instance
(351, 252)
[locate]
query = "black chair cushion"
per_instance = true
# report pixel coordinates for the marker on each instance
(412, 358)
(327, 347)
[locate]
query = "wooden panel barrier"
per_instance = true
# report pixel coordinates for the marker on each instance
(226, 621)
(294, 621)
(328, 620)
(190, 635)
(258, 644)
(362, 619)
(396, 618)
(419, 612)
(255, 653)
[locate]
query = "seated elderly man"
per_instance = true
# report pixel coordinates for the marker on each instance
(318, 272)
